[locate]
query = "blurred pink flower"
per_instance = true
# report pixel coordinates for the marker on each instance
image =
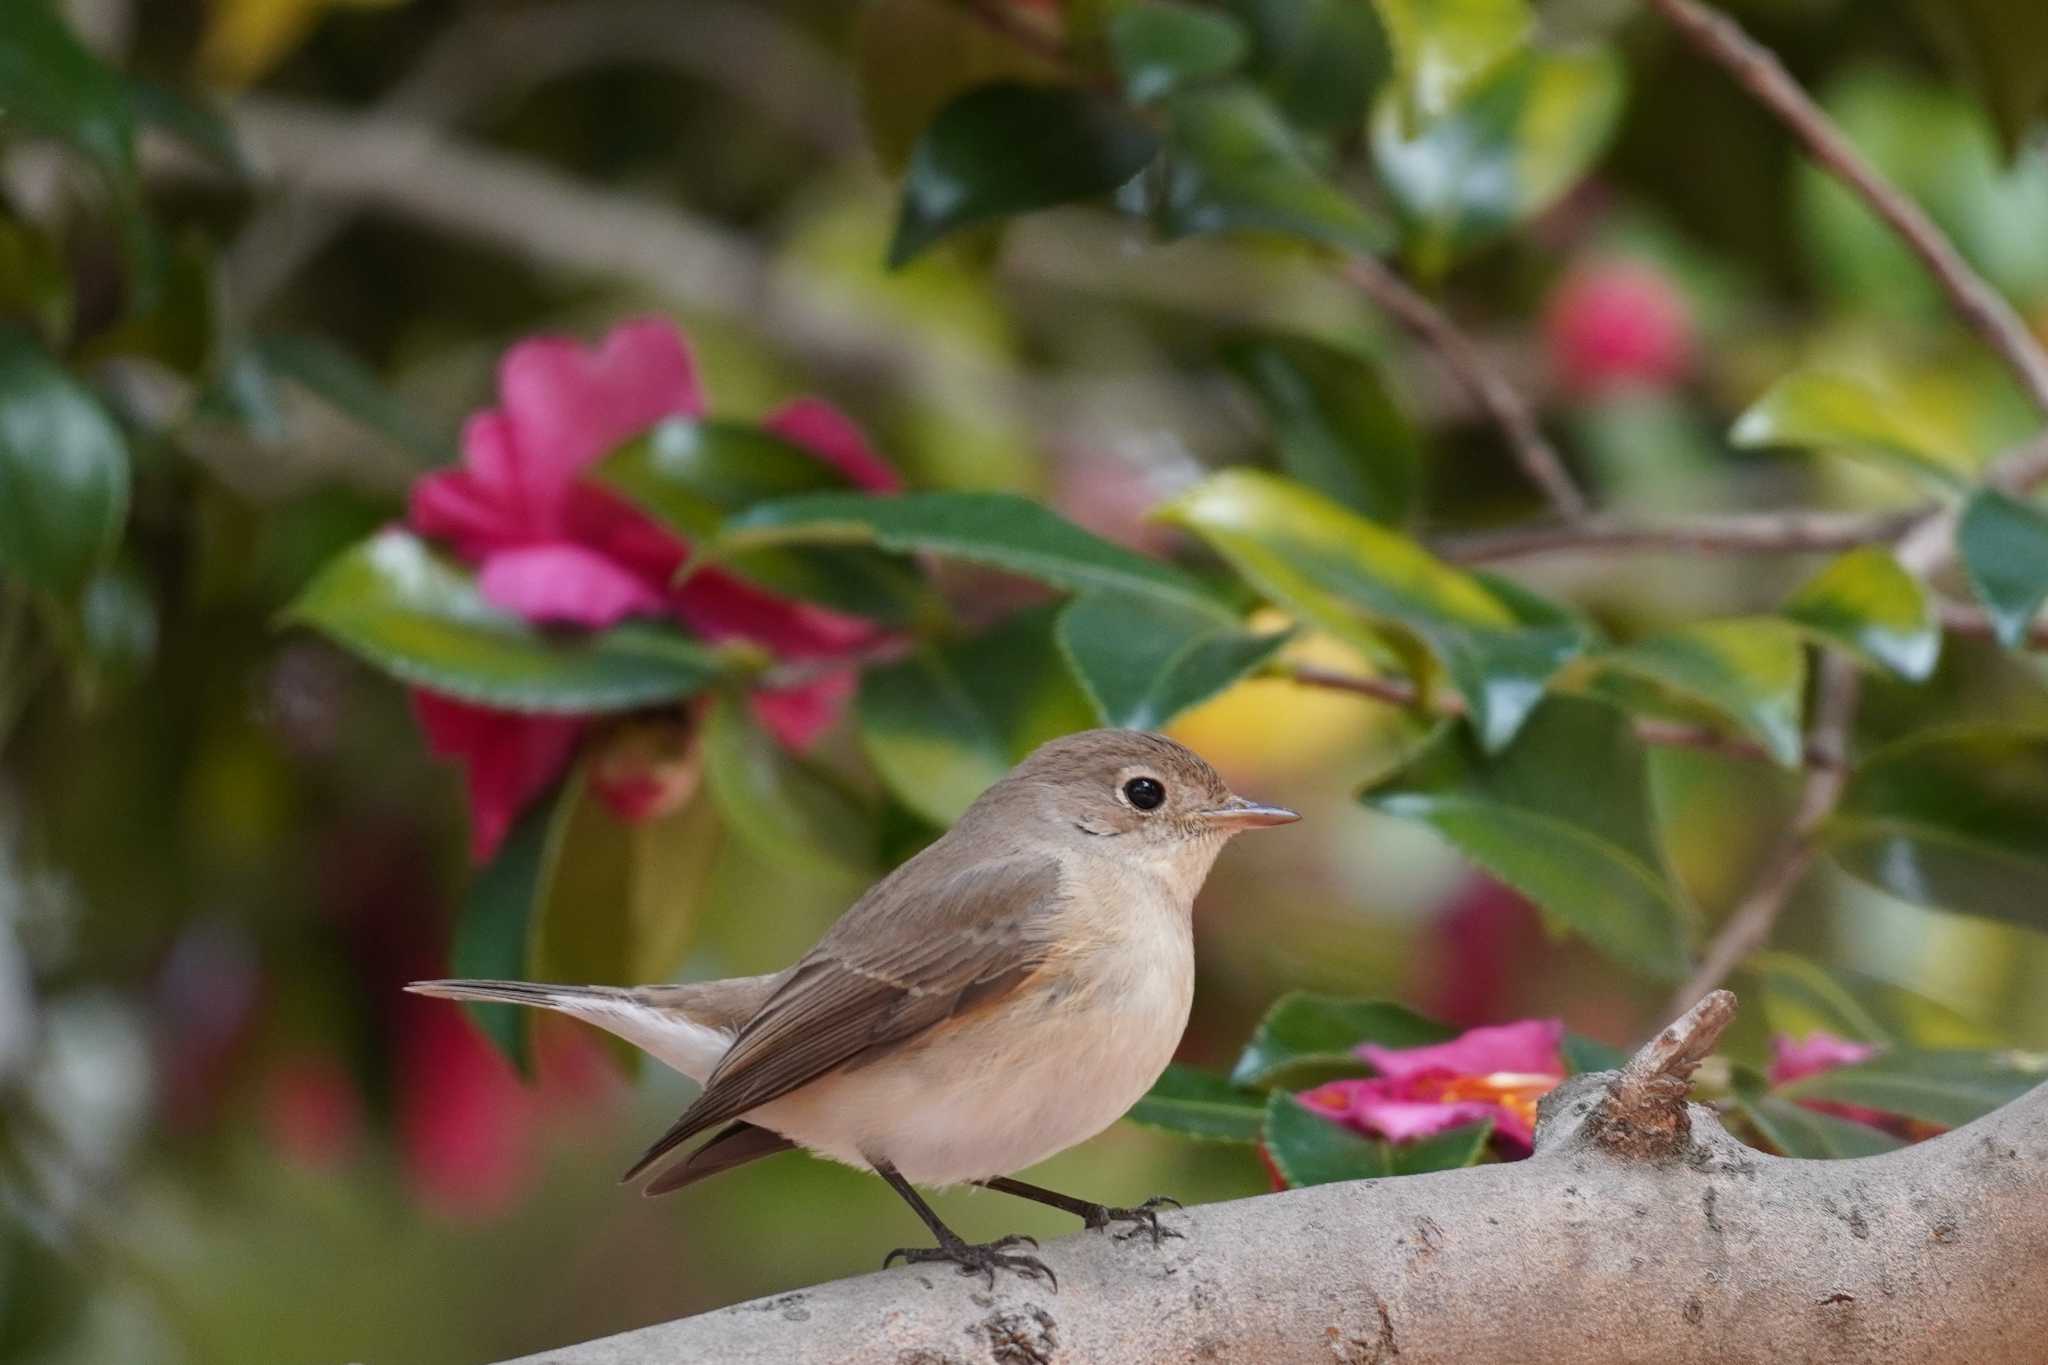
(1498, 1073)
(558, 551)
(1817, 1052)
(1618, 324)
(466, 1126)
(312, 1111)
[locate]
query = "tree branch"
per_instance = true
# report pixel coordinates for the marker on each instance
(1799, 532)
(1759, 71)
(1498, 398)
(1640, 1231)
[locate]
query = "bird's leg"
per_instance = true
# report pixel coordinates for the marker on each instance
(983, 1258)
(1096, 1216)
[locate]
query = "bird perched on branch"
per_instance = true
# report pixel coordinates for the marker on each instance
(1010, 991)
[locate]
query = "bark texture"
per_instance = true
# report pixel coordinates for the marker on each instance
(1639, 1231)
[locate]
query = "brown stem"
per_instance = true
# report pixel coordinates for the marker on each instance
(1488, 386)
(1759, 71)
(1740, 533)
(1749, 926)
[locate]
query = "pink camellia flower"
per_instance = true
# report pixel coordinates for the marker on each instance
(468, 1131)
(312, 1111)
(1818, 1052)
(559, 551)
(1497, 1072)
(1617, 324)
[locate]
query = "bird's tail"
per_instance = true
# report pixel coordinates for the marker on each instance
(659, 1020)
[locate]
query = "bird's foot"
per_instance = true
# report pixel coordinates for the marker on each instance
(980, 1258)
(1144, 1218)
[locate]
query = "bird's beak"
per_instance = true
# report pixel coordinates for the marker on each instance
(1238, 813)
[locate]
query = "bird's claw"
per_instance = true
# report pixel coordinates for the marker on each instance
(981, 1258)
(1144, 1218)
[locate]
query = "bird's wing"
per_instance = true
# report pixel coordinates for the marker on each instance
(735, 1145)
(894, 966)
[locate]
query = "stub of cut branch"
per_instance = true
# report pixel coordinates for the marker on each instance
(1627, 1237)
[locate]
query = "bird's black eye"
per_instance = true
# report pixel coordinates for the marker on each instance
(1144, 792)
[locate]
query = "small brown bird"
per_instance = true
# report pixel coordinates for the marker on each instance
(1010, 991)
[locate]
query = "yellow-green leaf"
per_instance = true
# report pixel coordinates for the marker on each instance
(1444, 47)
(1867, 603)
(1751, 670)
(1826, 411)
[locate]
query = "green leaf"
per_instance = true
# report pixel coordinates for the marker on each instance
(1870, 605)
(944, 725)
(1000, 530)
(913, 57)
(1949, 1087)
(1008, 149)
(114, 637)
(1355, 579)
(177, 323)
(1308, 1148)
(2004, 547)
(786, 807)
(54, 86)
(1451, 1150)
(1319, 61)
(352, 389)
(1836, 412)
(1339, 429)
(414, 614)
(1199, 1104)
(63, 471)
(193, 122)
(2001, 48)
(497, 920)
(1953, 819)
(1800, 997)
(1302, 1030)
(692, 475)
(1564, 817)
(1507, 151)
(1590, 1054)
(621, 901)
(1162, 46)
(1751, 670)
(1442, 48)
(1144, 660)
(1233, 166)
(1798, 1131)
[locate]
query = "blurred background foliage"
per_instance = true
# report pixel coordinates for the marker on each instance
(258, 258)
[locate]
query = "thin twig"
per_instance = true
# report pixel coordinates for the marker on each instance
(1759, 71)
(1495, 395)
(1739, 533)
(1749, 926)
(1663, 733)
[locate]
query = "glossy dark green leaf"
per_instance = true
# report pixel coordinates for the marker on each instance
(1011, 148)
(51, 84)
(335, 377)
(412, 613)
(1948, 1086)
(1564, 817)
(1953, 819)
(2004, 547)
(1308, 1148)
(788, 808)
(1357, 580)
(114, 633)
(1867, 603)
(1506, 151)
(620, 902)
(1752, 671)
(1817, 409)
(2001, 48)
(1451, 1150)
(64, 472)
(945, 724)
(1144, 660)
(497, 920)
(1303, 1031)
(1233, 166)
(1590, 1054)
(1200, 1104)
(1338, 428)
(1442, 48)
(1319, 61)
(1160, 46)
(1000, 530)
(913, 57)
(1794, 1130)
